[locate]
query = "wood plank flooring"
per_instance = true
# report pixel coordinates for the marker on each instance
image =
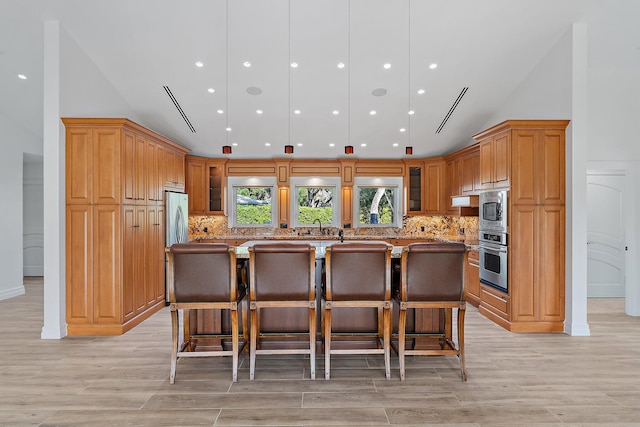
(514, 379)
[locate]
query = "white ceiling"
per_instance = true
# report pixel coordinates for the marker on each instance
(487, 46)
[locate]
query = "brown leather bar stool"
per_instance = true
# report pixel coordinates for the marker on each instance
(203, 276)
(282, 300)
(358, 277)
(432, 276)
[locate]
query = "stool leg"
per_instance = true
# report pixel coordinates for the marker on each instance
(253, 336)
(327, 343)
(387, 341)
(461, 312)
(402, 322)
(312, 341)
(174, 342)
(234, 343)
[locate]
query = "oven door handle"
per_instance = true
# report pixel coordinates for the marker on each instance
(493, 248)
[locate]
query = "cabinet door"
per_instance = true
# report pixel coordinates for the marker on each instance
(552, 267)
(434, 188)
(79, 264)
(170, 174)
(128, 263)
(502, 159)
(470, 173)
(106, 270)
(472, 278)
(160, 175)
(523, 262)
(140, 257)
(552, 167)
(140, 170)
(526, 173)
(150, 172)
(196, 180)
(160, 262)
(106, 166)
(486, 163)
(452, 185)
(179, 168)
(128, 167)
(79, 161)
(415, 184)
(216, 187)
(151, 256)
(347, 206)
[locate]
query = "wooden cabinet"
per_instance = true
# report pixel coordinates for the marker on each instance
(452, 184)
(472, 277)
(434, 188)
(196, 179)
(470, 172)
(115, 171)
(174, 169)
(539, 177)
(205, 184)
(414, 182)
(534, 152)
(495, 160)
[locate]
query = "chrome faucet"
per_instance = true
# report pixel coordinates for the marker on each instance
(319, 223)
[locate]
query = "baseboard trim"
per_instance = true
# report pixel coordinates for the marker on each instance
(13, 292)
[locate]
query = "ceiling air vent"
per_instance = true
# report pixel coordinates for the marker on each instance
(179, 108)
(451, 110)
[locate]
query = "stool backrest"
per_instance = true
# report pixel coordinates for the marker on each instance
(358, 271)
(282, 271)
(202, 272)
(433, 272)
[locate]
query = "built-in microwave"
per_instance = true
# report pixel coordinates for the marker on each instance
(493, 211)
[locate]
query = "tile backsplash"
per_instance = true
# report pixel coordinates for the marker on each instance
(216, 227)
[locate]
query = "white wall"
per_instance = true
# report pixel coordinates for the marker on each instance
(33, 217)
(14, 141)
(73, 86)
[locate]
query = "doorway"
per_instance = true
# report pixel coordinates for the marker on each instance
(33, 216)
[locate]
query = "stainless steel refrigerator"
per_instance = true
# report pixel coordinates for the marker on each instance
(177, 223)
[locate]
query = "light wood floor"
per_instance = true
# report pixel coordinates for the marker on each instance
(514, 379)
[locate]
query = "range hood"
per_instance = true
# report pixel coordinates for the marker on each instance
(464, 201)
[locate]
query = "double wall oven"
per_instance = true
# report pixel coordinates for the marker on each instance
(493, 236)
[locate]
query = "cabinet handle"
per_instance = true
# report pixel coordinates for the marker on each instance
(136, 226)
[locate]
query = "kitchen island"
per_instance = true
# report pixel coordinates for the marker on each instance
(433, 321)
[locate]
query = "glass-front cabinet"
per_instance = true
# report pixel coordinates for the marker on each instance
(414, 183)
(216, 187)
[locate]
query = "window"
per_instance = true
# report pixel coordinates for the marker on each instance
(378, 202)
(315, 199)
(252, 202)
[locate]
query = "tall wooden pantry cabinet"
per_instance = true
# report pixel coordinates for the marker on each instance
(116, 175)
(528, 158)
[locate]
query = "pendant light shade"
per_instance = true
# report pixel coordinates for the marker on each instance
(226, 149)
(288, 149)
(408, 151)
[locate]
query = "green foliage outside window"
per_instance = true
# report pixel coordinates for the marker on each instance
(307, 215)
(315, 203)
(253, 214)
(383, 205)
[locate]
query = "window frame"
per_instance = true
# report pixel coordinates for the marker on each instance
(390, 181)
(253, 181)
(316, 181)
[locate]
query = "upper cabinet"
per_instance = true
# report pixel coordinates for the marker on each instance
(414, 182)
(528, 156)
(494, 160)
(205, 185)
(434, 188)
(111, 161)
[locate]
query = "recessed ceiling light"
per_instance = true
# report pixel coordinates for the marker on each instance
(395, 144)
(258, 111)
(211, 90)
(332, 145)
(433, 66)
(228, 129)
(294, 65)
(268, 144)
(402, 129)
(22, 77)
(247, 64)
(335, 112)
(340, 65)
(296, 111)
(235, 144)
(220, 111)
(379, 91)
(372, 112)
(199, 64)
(411, 112)
(363, 145)
(387, 66)
(420, 91)
(299, 144)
